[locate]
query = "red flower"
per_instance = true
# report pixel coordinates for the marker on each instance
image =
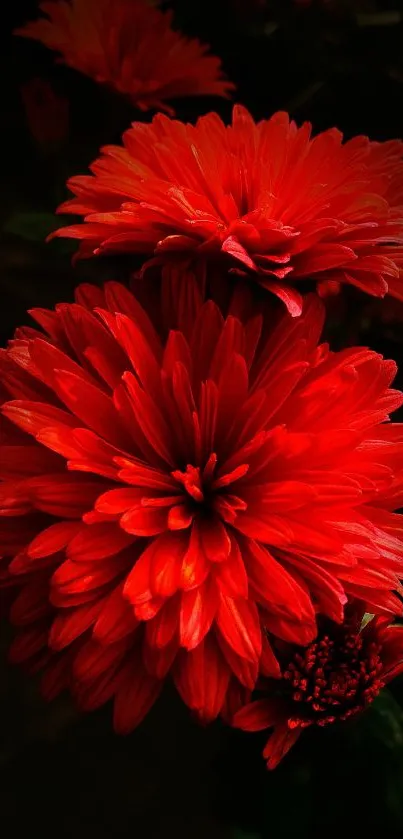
(332, 679)
(131, 47)
(263, 198)
(167, 493)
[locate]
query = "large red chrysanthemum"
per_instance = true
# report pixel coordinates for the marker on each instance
(334, 678)
(262, 198)
(131, 47)
(170, 491)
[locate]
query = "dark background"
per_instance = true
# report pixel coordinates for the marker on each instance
(62, 775)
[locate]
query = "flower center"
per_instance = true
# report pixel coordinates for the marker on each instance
(197, 481)
(211, 492)
(330, 680)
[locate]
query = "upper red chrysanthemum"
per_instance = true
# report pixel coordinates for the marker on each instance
(334, 678)
(131, 47)
(169, 491)
(264, 198)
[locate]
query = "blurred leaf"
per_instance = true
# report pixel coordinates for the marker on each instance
(384, 722)
(379, 18)
(34, 227)
(339, 764)
(290, 781)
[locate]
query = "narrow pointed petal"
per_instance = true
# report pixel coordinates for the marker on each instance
(238, 621)
(198, 610)
(202, 679)
(258, 715)
(135, 696)
(279, 744)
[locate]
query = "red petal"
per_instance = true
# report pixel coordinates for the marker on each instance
(149, 609)
(238, 252)
(93, 408)
(145, 521)
(139, 352)
(92, 694)
(77, 582)
(258, 715)
(33, 417)
(166, 565)
(323, 257)
(159, 660)
(238, 621)
(69, 626)
(201, 677)
(378, 602)
(137, 587)
(295, 632)
(237, 696)
(31, 604)
(120, 299)
(290, 296)
(22, 563)
(89, 296)
(117, 501)
(14, 499)
(327, 589)
(27, 644)
(268, 528)
(161, 629)
(195, 567)
(53, 539)
(198, 610)
(274, 587)
(180, 517)
(214, 539)
(150, 419)
(269, 665)
(231, 575)
(279, 744)
(138, 474)
(63, 495)
(134, 698)
(116, 619)
(19, 462)
(94, 659)
(245, 671)
(97, 541)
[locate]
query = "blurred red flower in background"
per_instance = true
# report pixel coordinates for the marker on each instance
(334, 678)
(131, 47)
(170, 490)
(264, 198)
